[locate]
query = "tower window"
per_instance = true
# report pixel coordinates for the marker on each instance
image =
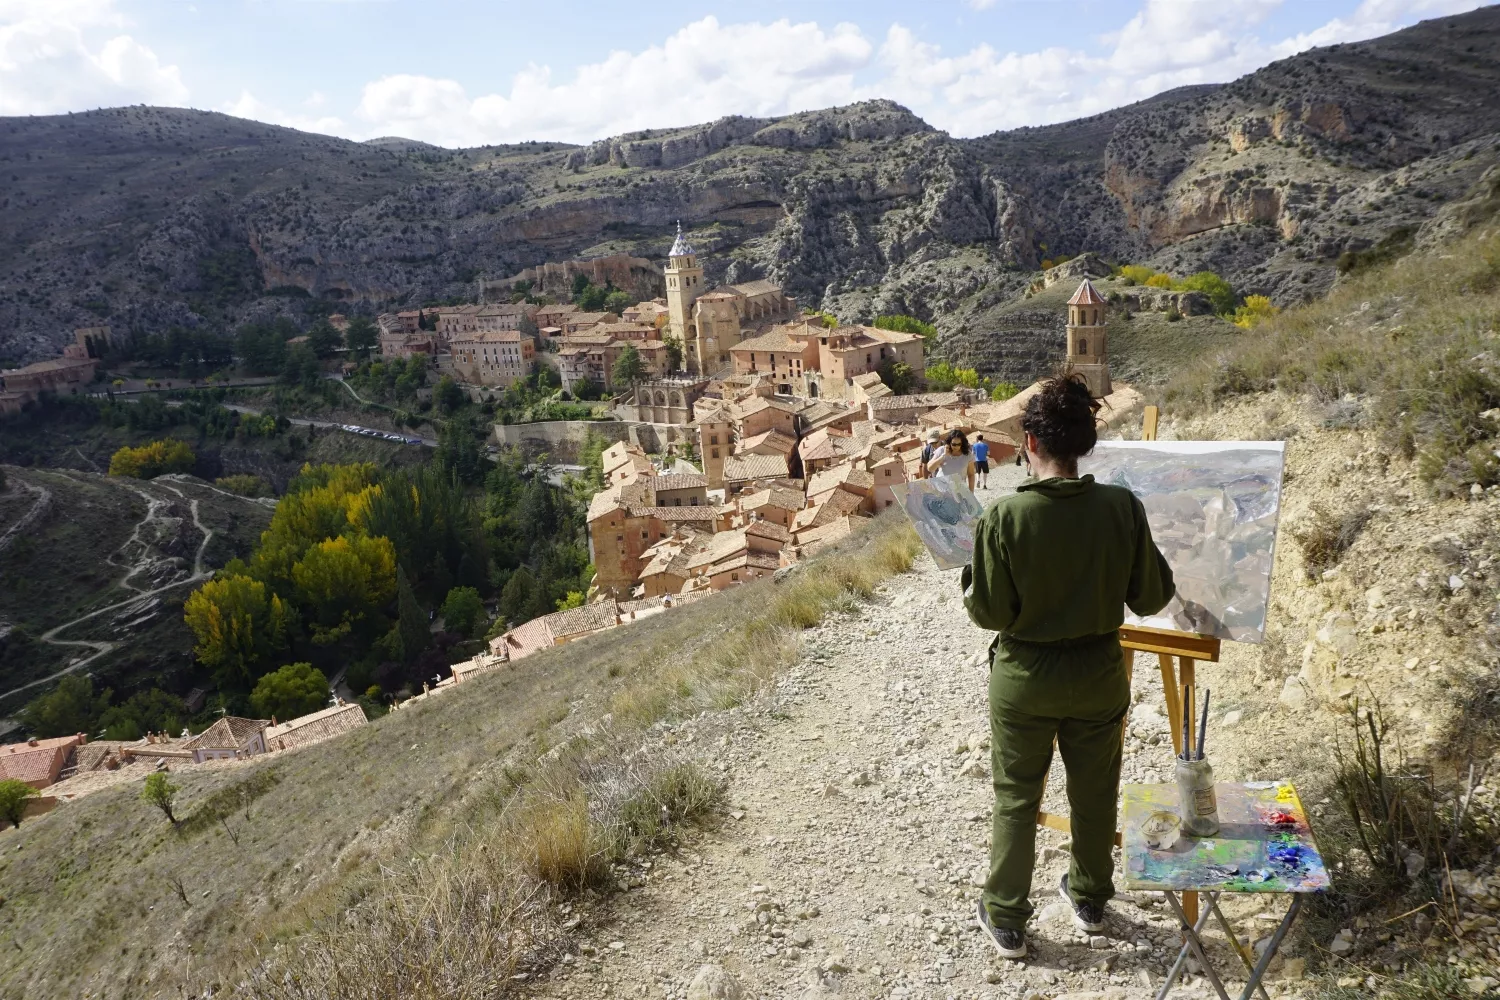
(1083, 345)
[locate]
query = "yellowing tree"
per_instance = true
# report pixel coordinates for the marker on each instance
(238, 625)
(151, 460)
(324, 502)
(1256, 310)
(1159, 281)
(341, 581)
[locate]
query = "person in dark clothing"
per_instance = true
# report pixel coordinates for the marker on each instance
(1054, 567)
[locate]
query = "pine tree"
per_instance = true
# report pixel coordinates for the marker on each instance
(415, 635)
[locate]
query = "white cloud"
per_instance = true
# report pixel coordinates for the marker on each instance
(63, 55)
(701, 72)
(708, 69)
(247, 105)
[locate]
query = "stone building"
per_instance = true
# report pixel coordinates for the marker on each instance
(1088, 353)
(667, 400)
(64, 376)
(492, 358)
(812, 360)
(709, 323)
(715, 440)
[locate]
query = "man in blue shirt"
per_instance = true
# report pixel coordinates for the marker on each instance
(981, 451)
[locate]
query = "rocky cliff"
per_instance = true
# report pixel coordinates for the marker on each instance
(148, 217)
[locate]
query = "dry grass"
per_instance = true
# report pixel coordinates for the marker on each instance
(1324, 537)
(456, 927)
(1414, 343)
(573, 820)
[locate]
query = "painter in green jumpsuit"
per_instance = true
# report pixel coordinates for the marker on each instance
(1054, 567)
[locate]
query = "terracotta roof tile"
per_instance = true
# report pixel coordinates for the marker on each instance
(743, 467)
(1087, 295)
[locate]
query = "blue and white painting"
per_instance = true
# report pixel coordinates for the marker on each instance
(1213, 508)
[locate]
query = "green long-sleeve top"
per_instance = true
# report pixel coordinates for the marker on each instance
(1061, 559)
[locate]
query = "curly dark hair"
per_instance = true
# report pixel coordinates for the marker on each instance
(1061, 416)
(958, 435)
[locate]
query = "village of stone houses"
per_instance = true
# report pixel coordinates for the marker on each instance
(540, 570)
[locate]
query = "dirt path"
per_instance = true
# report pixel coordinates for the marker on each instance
(859, 831)
(860, 794)
(38, 508)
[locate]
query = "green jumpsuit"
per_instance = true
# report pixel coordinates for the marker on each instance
(1054, 567)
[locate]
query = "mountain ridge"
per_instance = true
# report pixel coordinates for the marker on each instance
(147, 218)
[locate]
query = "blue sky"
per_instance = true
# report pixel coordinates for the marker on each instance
(461, 72)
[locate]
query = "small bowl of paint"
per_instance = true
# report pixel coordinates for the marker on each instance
(1161, 830)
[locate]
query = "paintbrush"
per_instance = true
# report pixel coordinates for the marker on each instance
(1203, 723)
(1187, 732)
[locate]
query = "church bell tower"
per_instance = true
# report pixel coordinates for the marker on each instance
(1088, 345)
(684, 285)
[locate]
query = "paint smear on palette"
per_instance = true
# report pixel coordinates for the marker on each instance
(1264, 843)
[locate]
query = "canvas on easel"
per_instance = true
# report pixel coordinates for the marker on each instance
(943, 512)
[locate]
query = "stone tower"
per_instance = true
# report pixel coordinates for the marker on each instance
(1088, 344)
(684, 285)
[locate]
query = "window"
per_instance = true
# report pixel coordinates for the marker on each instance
(734, 576)
(677, 501)
(713, 439)
(1083, 345)
(716, 453)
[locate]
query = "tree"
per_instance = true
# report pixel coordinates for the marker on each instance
(149, 711)
(1256, 310)
(629, 368)
(462, 610)
(71, 707)
(324, 339)
(1159, 281)
(262, 347)
(361, 337)
(943, 376)
(161, 793)
(585, 388)
(238, 624)
(674, 353)
(300, 367)
(153, 459)
(343, 581)
(617, 302)
(411, 619)
(458, 453)
(13, 796)
(1220, 292)
(447, 395)
(904, 324)
(897, 375)
(592, 298)
(289, 691)
(574, 599)
(1003, 390)
(517, 595)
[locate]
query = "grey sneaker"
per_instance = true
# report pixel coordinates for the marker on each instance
(1008, 943)
(1086, 916)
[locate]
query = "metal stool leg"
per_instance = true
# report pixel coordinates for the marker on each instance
(1182, 952)
(1272, 948)
(1234, 942)
(1197, 945)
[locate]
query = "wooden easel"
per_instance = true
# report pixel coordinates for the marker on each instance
(1188, 648)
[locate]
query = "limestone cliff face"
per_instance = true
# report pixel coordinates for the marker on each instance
(149, 218)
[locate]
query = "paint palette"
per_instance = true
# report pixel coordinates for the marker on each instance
(1264, 843)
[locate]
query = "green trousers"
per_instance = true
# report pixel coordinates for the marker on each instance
(1077, 693)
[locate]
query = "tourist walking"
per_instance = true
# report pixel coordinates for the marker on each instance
(954, 461)
(982, 461)
(932, 447)
(1055, 564)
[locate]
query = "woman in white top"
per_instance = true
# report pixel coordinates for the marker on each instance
(955, 461)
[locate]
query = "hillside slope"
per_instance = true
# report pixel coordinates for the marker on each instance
(147, 217)
(96, 569)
